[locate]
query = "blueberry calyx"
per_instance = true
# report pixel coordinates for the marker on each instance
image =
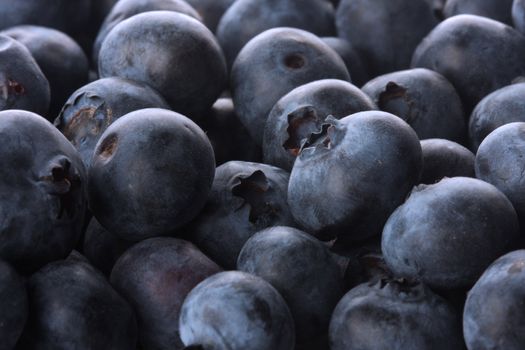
(396, 97)
(302, 122)
(251, 189)
(323, 139)
(62, 181)
(408, 290)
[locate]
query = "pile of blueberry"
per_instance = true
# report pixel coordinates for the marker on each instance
(262, 174)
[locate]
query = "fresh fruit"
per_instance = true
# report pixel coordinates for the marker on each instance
(444, 158)
(14, 306)
(60, 58)
(151, 173)
(422, 98)
(73, 306)
(491, 319)
(274, 63)
(392, 314)
(384, 32)
(350, 176)
(245, 198)
(447, 234)
(503, 106)
(92, 108)
(42, 191)
(245, 19)
(499, 161)
(303, 271)
(155, 276)
(125, 9)
(236, 310)
(302, 111)
(22, 83)
(476, 54)
(173, 53)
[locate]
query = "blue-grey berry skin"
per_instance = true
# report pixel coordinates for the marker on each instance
(304, 272)
(245, 19)
(302, 111)
(245, 198)
(171, 52)
(476, 54)
(236, 310)
(500, 161)
(229, 138)
(73, 306)
(492, 318)
(384, 32)
(22, 83)
(445, 158)
(43, 192)
(353, 61)
(125, 9)
(151, 173)
(68, 16)
(394, 315)
(351, 176)
(155, 276)
(211, 11)
(14, 306)
(93, 107)
(518, 15)
(422, 98)
(503, 106)
(60, 58)
(499, 10)
(102, 248)
(274, 63)
(447, 234)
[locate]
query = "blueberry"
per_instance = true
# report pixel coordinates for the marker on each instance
(351, 58)
(422, 98)
(476, 54)
(304, 272)
(102, 248)
(503, 106)
(22, 83)
(518, 15)
(302, 111)
(211, 11)
(14, 306)
(384, 32)
(155, 276)
(392, 314)
(42, 191)
(245, 198)
(69, 16)
(73, 306)
(492, 318)
(499, 161)
(125, 9)
(444, 158)
(245, 19)
(236, 310)
(352, 174)
(92, 108)
(274, 63)
(500, 10)
(151, 173)
(446, 234)
(61, 59)
(173, 53)
(229, 138)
